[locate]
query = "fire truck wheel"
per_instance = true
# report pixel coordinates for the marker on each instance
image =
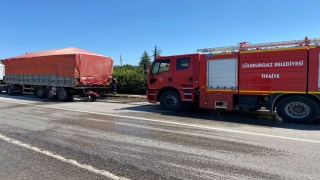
(298, 109)
(40, 92)
(171, 101)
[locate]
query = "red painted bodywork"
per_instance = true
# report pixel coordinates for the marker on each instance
(207, 97)
(288, 78)
(314, 66)
(178, 79)
(295, 70)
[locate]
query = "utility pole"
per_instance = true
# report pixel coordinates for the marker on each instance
(120, 60)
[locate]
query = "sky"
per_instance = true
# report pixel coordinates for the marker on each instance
(130, 27)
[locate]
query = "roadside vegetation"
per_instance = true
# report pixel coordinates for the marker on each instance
(132, 79)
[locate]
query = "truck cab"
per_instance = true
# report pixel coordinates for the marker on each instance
(173, 80)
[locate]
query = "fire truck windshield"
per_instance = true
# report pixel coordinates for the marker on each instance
(160, 66)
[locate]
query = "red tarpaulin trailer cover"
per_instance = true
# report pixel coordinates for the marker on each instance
(89, 67)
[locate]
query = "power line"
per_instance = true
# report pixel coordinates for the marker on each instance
(92, 22)
(66, 34)
(177, 9)
(71, 28)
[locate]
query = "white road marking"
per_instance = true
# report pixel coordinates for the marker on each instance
(58, 157)
(169, 122)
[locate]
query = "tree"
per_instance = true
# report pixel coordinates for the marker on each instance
(145, 59)
(156, 52)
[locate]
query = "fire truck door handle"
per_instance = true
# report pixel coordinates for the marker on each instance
(190, 78)
(169, 79)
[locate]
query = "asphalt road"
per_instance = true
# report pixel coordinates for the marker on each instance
(130, 139)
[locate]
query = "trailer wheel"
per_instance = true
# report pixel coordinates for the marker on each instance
(298, 109)
(171, 101)
(10, 90)
(40, 92)
(62, 94)
(49, 95)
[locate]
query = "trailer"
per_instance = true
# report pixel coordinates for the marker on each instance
(282, 77)
(59, 74)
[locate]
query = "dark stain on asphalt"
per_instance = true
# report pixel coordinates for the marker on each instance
(197, 138)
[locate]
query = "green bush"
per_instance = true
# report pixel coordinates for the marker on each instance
(131, 79)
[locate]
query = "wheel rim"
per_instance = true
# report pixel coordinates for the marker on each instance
(297, 110)
(171, 101)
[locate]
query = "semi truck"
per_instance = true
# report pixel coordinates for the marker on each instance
(282, 77)
(61, 74)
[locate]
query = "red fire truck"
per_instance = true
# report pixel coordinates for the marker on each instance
(283, 77)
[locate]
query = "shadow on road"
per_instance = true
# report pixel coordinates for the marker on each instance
(239, 117)
(34, 98)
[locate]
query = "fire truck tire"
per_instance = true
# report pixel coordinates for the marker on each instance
(10, 91)
(62, 94)
(171, 101)
(298, 109)
(40, 92)
(48, 95)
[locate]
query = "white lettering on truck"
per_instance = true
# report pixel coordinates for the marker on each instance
(270, 76)
(290, 63)
(257, 65)
(270, 65)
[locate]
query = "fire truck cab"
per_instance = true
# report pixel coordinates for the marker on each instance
(174, 80)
